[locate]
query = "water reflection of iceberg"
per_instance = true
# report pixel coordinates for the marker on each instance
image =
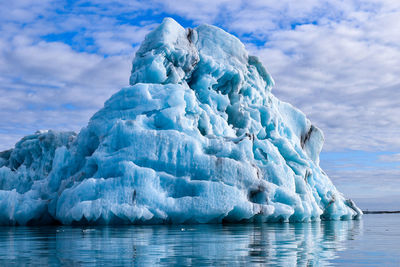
(302, 244)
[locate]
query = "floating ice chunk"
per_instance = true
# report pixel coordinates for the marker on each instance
(197, 137)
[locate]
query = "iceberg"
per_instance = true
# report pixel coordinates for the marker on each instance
(197, 137)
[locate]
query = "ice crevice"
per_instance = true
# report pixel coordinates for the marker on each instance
(197, 137)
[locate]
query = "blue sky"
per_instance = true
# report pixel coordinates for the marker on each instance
(338, 61)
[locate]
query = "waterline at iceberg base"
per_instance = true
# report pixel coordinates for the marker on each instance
(197, 137)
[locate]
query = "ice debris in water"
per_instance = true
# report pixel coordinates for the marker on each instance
(197, 137)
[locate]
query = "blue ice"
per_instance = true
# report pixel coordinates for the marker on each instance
(197, 137)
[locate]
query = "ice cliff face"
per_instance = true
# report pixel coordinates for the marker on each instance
(197, 137)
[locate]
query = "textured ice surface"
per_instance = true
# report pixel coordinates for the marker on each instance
(197, 137)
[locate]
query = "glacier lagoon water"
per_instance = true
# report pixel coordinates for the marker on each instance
(372, 241)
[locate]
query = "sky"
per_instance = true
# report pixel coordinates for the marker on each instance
(338, 61)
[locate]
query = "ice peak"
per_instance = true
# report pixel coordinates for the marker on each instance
(205, 58)
(167, 33)
(167, 55)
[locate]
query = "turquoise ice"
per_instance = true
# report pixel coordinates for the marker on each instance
(197, 137)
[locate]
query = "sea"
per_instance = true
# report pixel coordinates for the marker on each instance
(373, 240)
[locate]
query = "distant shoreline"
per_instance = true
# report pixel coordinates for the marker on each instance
(380, 212)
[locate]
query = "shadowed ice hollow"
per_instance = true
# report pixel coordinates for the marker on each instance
(197, 137)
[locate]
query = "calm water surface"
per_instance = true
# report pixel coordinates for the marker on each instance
(372, 241)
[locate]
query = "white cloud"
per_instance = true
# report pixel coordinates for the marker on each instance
(48, 84)
(344, 76)
(390, 158)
